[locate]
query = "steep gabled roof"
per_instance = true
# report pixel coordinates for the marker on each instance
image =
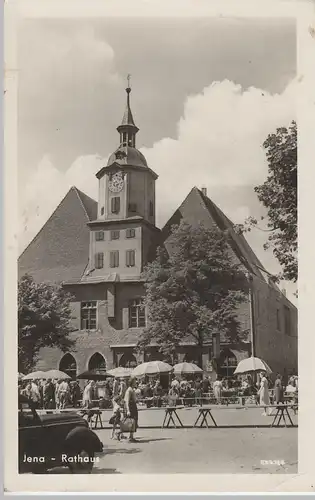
(196, 208)
(60, 250)
(89, 204)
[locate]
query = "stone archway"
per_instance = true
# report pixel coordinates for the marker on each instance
(128, 360)
(68, 365)
(97, 362)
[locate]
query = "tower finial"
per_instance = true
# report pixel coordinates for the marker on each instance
(128, 129)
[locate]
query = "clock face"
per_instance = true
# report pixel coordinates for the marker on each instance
(116, 183)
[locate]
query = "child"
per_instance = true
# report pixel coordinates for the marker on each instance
(115, 419)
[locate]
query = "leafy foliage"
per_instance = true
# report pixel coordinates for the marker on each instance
(44, 316)
(193, 290)
(278, 194)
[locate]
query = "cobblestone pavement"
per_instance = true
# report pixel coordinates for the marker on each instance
(201, 451)
(236, 446)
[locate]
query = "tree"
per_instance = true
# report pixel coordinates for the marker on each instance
(193, 290)
(278, 194)
(44, 317)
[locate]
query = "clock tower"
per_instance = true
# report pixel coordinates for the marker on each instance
(124, 234)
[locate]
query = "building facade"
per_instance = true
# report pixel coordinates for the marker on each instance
(99, 250)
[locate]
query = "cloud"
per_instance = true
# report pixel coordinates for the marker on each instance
(218, 145)
(62, 61)
(66, 80)
(46, 188)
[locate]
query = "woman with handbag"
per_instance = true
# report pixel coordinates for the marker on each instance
(131, 407)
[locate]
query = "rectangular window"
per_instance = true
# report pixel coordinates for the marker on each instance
(136, 314)
(115, 205)
(114, 259)
(278, 320)
(114, 235)
(151, 208)
(130, 233)
(88, 315)
(130, 258)
(99, 260)
(287, 320)
(132, 207)
(99, 235)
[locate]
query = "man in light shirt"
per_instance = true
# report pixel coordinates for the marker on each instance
(63, 391)
(35, 394)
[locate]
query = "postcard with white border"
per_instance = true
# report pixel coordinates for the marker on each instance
(152, 195)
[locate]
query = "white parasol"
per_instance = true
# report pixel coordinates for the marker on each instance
(151, 368)
(34, 375)
(252, 364)
(189, 368)
(120, 372)
(57, 374)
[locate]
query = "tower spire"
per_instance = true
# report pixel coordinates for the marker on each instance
(128, 129)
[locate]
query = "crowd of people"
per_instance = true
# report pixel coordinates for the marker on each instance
(51, 393)
(59, 394)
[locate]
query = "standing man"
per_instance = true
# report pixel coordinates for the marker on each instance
(35, 394)
(76, 393)
(115, 388)
(278, 389)
(48, 394)
(63, 392)
(122, 388)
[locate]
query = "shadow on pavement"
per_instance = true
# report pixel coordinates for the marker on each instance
(105, 471)
(140, 441)
(95, 470)
(127, 451)
(250, 426)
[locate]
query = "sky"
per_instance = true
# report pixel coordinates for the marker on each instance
(206, 92)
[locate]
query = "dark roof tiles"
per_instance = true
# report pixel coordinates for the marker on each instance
(60, 249)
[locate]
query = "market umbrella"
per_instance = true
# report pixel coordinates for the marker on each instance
(252, 364)
(189, 368)
(57, 374)
(151, 368)
(93, 375)
(120, 372)
(34, 375)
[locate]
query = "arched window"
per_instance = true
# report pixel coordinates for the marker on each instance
(68, 365)
(192, 358)
(128, 361)
(228, 363)
(154, 356)
(97, 362)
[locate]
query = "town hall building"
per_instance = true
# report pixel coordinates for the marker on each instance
(98, 250)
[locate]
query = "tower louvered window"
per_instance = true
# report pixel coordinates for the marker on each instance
(99, 235)
(130, 232)
(99, 260)
(114, 258)
(115, 205)
(115, 234)
(130, 258)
